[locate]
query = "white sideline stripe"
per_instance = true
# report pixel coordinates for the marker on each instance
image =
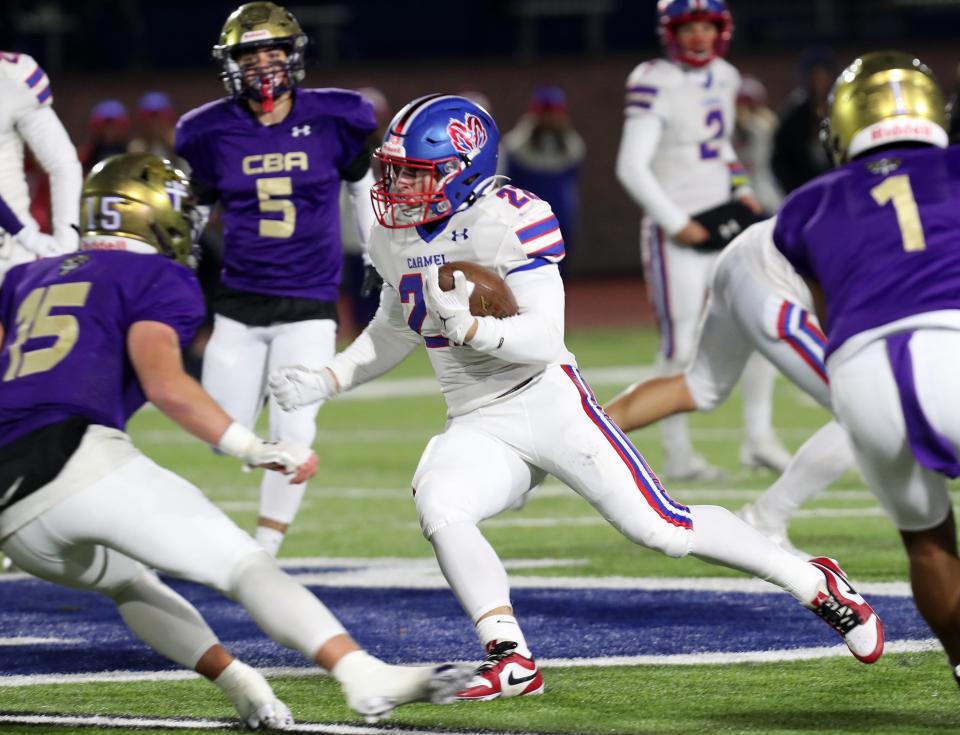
(424, 573)
(921, 645)
(28, 641)
(176, 723)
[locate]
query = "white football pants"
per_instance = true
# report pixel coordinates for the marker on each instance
(487, 459)
(141, 516)
(236, 364)
(868, 403)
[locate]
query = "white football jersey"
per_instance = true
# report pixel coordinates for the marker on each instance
(506, 230)
(24, 87)
(697, 109)
(754, 249)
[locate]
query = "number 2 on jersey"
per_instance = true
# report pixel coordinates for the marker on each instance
(411, 287)
(34, 321)
(897, 189)
(708, 148)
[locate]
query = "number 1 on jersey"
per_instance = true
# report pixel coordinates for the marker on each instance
(897, 189)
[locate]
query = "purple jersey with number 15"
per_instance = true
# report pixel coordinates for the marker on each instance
(279, 187)
(65, 323)
(881, 235)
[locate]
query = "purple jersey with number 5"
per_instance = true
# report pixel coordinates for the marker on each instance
(65, 323)
(881, 235)
(279, 187)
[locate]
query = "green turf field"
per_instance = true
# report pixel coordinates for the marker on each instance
(360, 506)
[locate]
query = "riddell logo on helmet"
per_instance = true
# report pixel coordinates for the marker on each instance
(898, 130)
(257, 35)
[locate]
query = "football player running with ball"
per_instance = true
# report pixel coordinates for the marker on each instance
(81, 505)
(273, 155)
(878, 242)
(677, 162)
(518, 407)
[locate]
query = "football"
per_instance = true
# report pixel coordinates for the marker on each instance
(491, 295)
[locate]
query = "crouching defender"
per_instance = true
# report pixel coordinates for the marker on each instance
(87, 339)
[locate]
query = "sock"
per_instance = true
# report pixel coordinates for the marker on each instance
(471, 567)
(279, 500)
(498, 628)
(677, 447)
(270, 539)
(756, 383)
(283, 608)
(820, 461)
(164, 620)
(721, 538)
(356, 665)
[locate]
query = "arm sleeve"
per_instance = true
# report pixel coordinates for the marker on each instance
(384, 344)
(535, 335)
(641, 135)
(788, 236)
(190, 145)
(9, 221)
(359, 193)
(42, 130)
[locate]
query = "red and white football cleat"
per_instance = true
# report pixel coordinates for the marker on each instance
(838, 603)
(505, 673)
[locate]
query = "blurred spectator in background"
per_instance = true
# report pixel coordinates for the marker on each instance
(798, 155)
(361, 297)
(108, 135)
(753, 141)
(156, 118)
(544, 154)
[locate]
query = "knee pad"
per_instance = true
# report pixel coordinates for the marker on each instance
(437, 508)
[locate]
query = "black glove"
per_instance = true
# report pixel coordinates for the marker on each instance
(371, 282)
(724, 223)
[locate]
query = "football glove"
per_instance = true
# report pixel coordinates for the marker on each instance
(295, 386)
(371, 282)
(286, 457)
(724, 223)
(39, 243)
(450, 309)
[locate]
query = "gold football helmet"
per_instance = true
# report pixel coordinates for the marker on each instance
(883, 97)
(258, 25)
(142, 197)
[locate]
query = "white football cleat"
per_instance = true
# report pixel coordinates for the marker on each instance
(252, 697)
(375, 695)
(838, 603)
(766, 453)
(775, 531)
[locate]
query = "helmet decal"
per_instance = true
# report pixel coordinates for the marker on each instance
(468, 136)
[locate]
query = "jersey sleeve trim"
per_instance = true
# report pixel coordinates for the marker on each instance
(535, 263)
(542, 239)
(39, 84)
(641, 96)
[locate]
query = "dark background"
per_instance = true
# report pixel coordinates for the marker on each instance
(93, 49)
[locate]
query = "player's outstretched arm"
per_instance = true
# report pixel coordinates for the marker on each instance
(644, 403)
(154, 350)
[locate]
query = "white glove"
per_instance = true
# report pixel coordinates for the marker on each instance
(295, 385)
(38, 243)
(238, 441)
(451, 309)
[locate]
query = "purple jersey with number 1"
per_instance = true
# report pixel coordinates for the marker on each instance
(279, 187)
(881, 235)
(65, 323)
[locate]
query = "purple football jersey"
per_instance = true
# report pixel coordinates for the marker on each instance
(279, 186)
(65, 323)
(881, 235)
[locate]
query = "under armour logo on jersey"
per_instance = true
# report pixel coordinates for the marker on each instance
(300, 130)
(463, 233)
(729, 229)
